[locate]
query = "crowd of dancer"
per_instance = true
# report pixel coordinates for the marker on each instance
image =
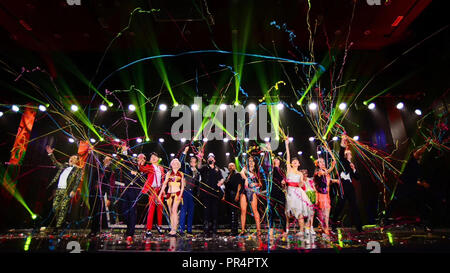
(290, 195)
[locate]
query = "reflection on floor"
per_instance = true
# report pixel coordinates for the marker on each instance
(396, 239)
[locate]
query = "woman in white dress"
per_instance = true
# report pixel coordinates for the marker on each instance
(297, 202)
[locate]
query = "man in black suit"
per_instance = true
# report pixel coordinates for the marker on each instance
(100, 193)
(128, 175)
(212, 180)
(232, 182)
(347, 173)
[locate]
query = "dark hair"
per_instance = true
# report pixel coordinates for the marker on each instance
(153, 153)
(193, 157)
(295, 158)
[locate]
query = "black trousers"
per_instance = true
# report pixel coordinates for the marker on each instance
(233, 211)
(277, 210)
(211, 213)
(98, 212)
(129, 203)
(349, 196)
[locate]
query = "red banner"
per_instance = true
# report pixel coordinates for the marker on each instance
(23, 136)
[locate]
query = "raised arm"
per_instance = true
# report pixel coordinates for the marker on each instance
(288, 155)
(183, 159)
(52, 157)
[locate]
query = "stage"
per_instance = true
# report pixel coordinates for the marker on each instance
(410, 238)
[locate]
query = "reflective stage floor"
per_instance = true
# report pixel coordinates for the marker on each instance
(346, 240)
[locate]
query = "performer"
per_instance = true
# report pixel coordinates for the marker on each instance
(311, 193)
(153, 188)
(414, 189)
(252, 186)
(347, 174)
(130, 193)
(175, 181)
(212, 180)
(100, 193)
(298, 204)
(277, 196)
(68, 178)
(322, 180)
(232, 183)
(192, 177)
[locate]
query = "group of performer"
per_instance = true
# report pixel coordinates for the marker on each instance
(289, 195)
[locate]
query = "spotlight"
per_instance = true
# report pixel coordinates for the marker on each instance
(311, 139)
(205, 139)
(42, 108)
(139, 140)
(92, 140)
(15, 108)
(244, 154)
(261, 153)
(356, 138)
(71, 140)
(191, 154)
(131, 107)
(251, 107)
(1, 114)
(194, 107)
(246, 139)
(335, 138)
(290, 139)
(225, 140)
(110, 104)
(300, 153)
(312, 106)
(280, 106)
(266, 139)
(400, 105)
(147, 139)
(34, 216)
(280, 153)
(172, 155)
(223, 107)
(227, 154)
(418, 112)
(116, 140)
(134, 155)
(319, 152)
(342, 106)
(161, 140)
(74, 108)
(162, 107)
(371, 106)
(114, 155)
(236, 103)
(103, 108)
(183, 139)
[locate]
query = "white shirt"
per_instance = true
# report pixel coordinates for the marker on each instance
(62, 184)
(346, 176)
(157, 181)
